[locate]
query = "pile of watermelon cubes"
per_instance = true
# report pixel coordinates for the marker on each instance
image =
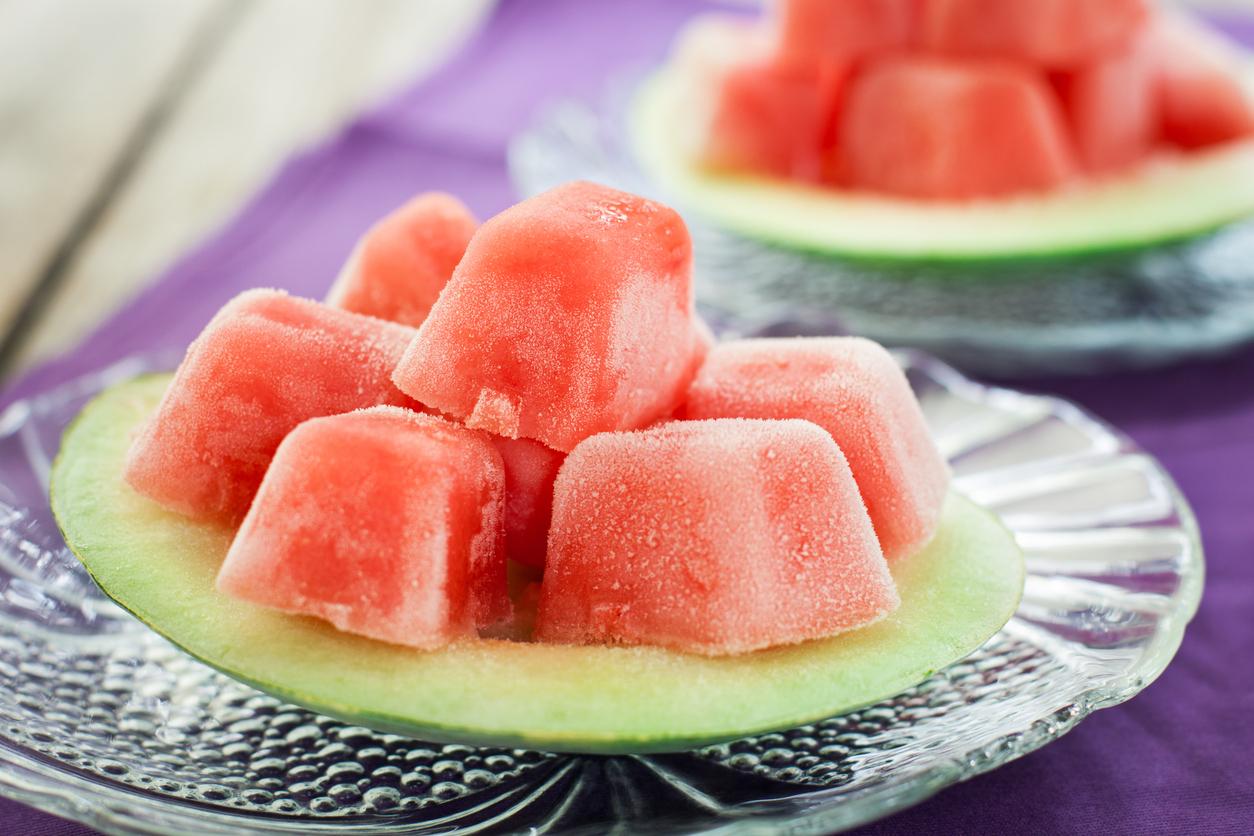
(538, 391)
(956, 99)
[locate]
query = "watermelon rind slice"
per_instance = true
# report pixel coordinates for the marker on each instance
(1172, 197)
(161, 566)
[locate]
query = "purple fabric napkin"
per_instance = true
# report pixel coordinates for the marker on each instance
(1178, 758)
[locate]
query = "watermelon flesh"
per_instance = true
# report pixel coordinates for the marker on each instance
(749, 111)
(809, 32)
(1202, 100)
(399, 267)
(570, 314)
(854, 390)
(342, 530)
(265, 363)
(530, 469)
(1112, 107)
(706, 49)
(1054, 34)
(704, 537)
(938, 128)
(773, 119)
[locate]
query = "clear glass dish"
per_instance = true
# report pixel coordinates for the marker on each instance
(104, 722)
(1081, 315)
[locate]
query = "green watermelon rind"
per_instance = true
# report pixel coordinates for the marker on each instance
(161, 567)
(1169, 200)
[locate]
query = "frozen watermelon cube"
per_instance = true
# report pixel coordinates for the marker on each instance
(950, 129)
(266, 362)
(747, 110)
(772, 119)
(400, 266)
(530, 469)
(814, 31)
(570, 314)
(710, 537)
(1055, 34)
(1112, 107)
(382, 521)
(1203, 98)
(852, 388)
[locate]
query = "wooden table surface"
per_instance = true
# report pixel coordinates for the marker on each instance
(130, 129)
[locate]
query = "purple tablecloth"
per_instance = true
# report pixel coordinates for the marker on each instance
(1179, 758)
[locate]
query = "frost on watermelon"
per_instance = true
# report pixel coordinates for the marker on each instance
(1202, 98)
(809, 32)
(1112, 107)
(950, 129)
(852, 388)
(265, 363)
(384, 522)
(400, 266)
(711, 537)
(1056, 34)
(530, 468)
(570, 314)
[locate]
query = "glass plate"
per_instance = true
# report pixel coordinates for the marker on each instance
(1082, 315)
(103, 721)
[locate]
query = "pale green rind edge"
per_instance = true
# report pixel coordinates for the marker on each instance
(160, 566)
(1168, 200)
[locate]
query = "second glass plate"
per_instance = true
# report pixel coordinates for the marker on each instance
(1087, 315)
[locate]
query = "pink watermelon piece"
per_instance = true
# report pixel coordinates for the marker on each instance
(703, 537)
(1112, 107)
(1056, 34)
(1202, 97)
(342, 530)
(530, 469)
(570, 314)
(773, 119)
(948, 129)
(265, 363)
(400, 266)
(749, 111)
(808, 32)
(853, 389)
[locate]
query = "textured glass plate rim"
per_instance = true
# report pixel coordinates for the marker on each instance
(114, 807)
(1058, 346)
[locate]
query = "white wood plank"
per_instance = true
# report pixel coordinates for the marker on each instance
(291, 71)
(76, 77)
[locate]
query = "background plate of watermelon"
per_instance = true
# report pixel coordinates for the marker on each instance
(110, 724)
(1141, 269)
